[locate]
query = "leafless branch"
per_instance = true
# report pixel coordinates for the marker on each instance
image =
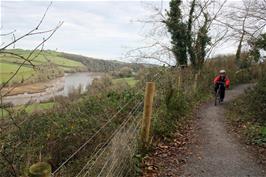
(7, 34)
(31, 32)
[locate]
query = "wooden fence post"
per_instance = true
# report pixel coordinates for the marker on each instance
(146, 121)
(40, 169)
(179, 81)
(195, 83)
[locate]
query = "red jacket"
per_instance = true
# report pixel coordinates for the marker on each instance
(218, 79)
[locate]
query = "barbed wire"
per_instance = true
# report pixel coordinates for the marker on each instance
(89, 140)
(110, 158)
(134, 138)
(101, 151)
(135, 135)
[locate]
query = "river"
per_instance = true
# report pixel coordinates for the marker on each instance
(58, 87)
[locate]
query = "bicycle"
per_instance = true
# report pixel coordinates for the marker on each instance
(217, 96)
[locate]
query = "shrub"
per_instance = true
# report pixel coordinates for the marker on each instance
(247, 113)
(165, 120)
(100, 85)
(59, 132)
(256, 100)
(123, 72)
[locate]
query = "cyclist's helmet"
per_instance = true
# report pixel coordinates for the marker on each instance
(222, 71)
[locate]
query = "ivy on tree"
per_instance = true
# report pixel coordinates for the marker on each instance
(188, 44)
(178, 30)
(257, 45)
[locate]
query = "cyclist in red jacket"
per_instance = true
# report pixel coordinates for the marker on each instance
(223, 81)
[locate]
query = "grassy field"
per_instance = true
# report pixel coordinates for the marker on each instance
(7, 69)
(43, 57)
(39, 106)
(130, 81)
(31, 108)
(9, 64)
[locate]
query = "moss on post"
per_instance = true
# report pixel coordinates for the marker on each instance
(40, 169)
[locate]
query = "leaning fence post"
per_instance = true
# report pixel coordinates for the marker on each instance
(40, 169)
(146, 121)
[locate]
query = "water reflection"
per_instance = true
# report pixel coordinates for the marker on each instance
(61, 86)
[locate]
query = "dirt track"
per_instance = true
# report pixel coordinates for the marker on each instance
(206, 148)
(217, 153)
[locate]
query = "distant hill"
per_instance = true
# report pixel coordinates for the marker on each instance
(99, 65)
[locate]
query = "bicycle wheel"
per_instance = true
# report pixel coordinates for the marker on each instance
(215, 99)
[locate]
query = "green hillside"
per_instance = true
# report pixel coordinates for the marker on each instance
(49, 61)
(99, 65)
(43, 57)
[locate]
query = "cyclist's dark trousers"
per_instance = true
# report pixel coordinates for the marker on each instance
(222, 90)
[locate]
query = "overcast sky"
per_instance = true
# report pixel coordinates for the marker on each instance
(101, 29)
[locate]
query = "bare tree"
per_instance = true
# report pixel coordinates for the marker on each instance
(245, 20)
(200, 17)
(33, 54)
(157, 39)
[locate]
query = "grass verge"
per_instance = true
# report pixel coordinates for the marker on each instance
(131, 81)
(247, 114)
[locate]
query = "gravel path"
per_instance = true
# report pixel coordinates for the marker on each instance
(216, 152)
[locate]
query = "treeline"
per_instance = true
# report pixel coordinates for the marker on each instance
(99, 65)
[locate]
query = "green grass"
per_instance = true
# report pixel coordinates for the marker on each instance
(32, 108)
(131, 81)
(9, 64)
(249, 123)
(5, 113)
(39, 106)
(43, 57)
(8, 69)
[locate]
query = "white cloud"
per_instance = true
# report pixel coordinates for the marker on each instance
(99, 28)
(93, 28)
